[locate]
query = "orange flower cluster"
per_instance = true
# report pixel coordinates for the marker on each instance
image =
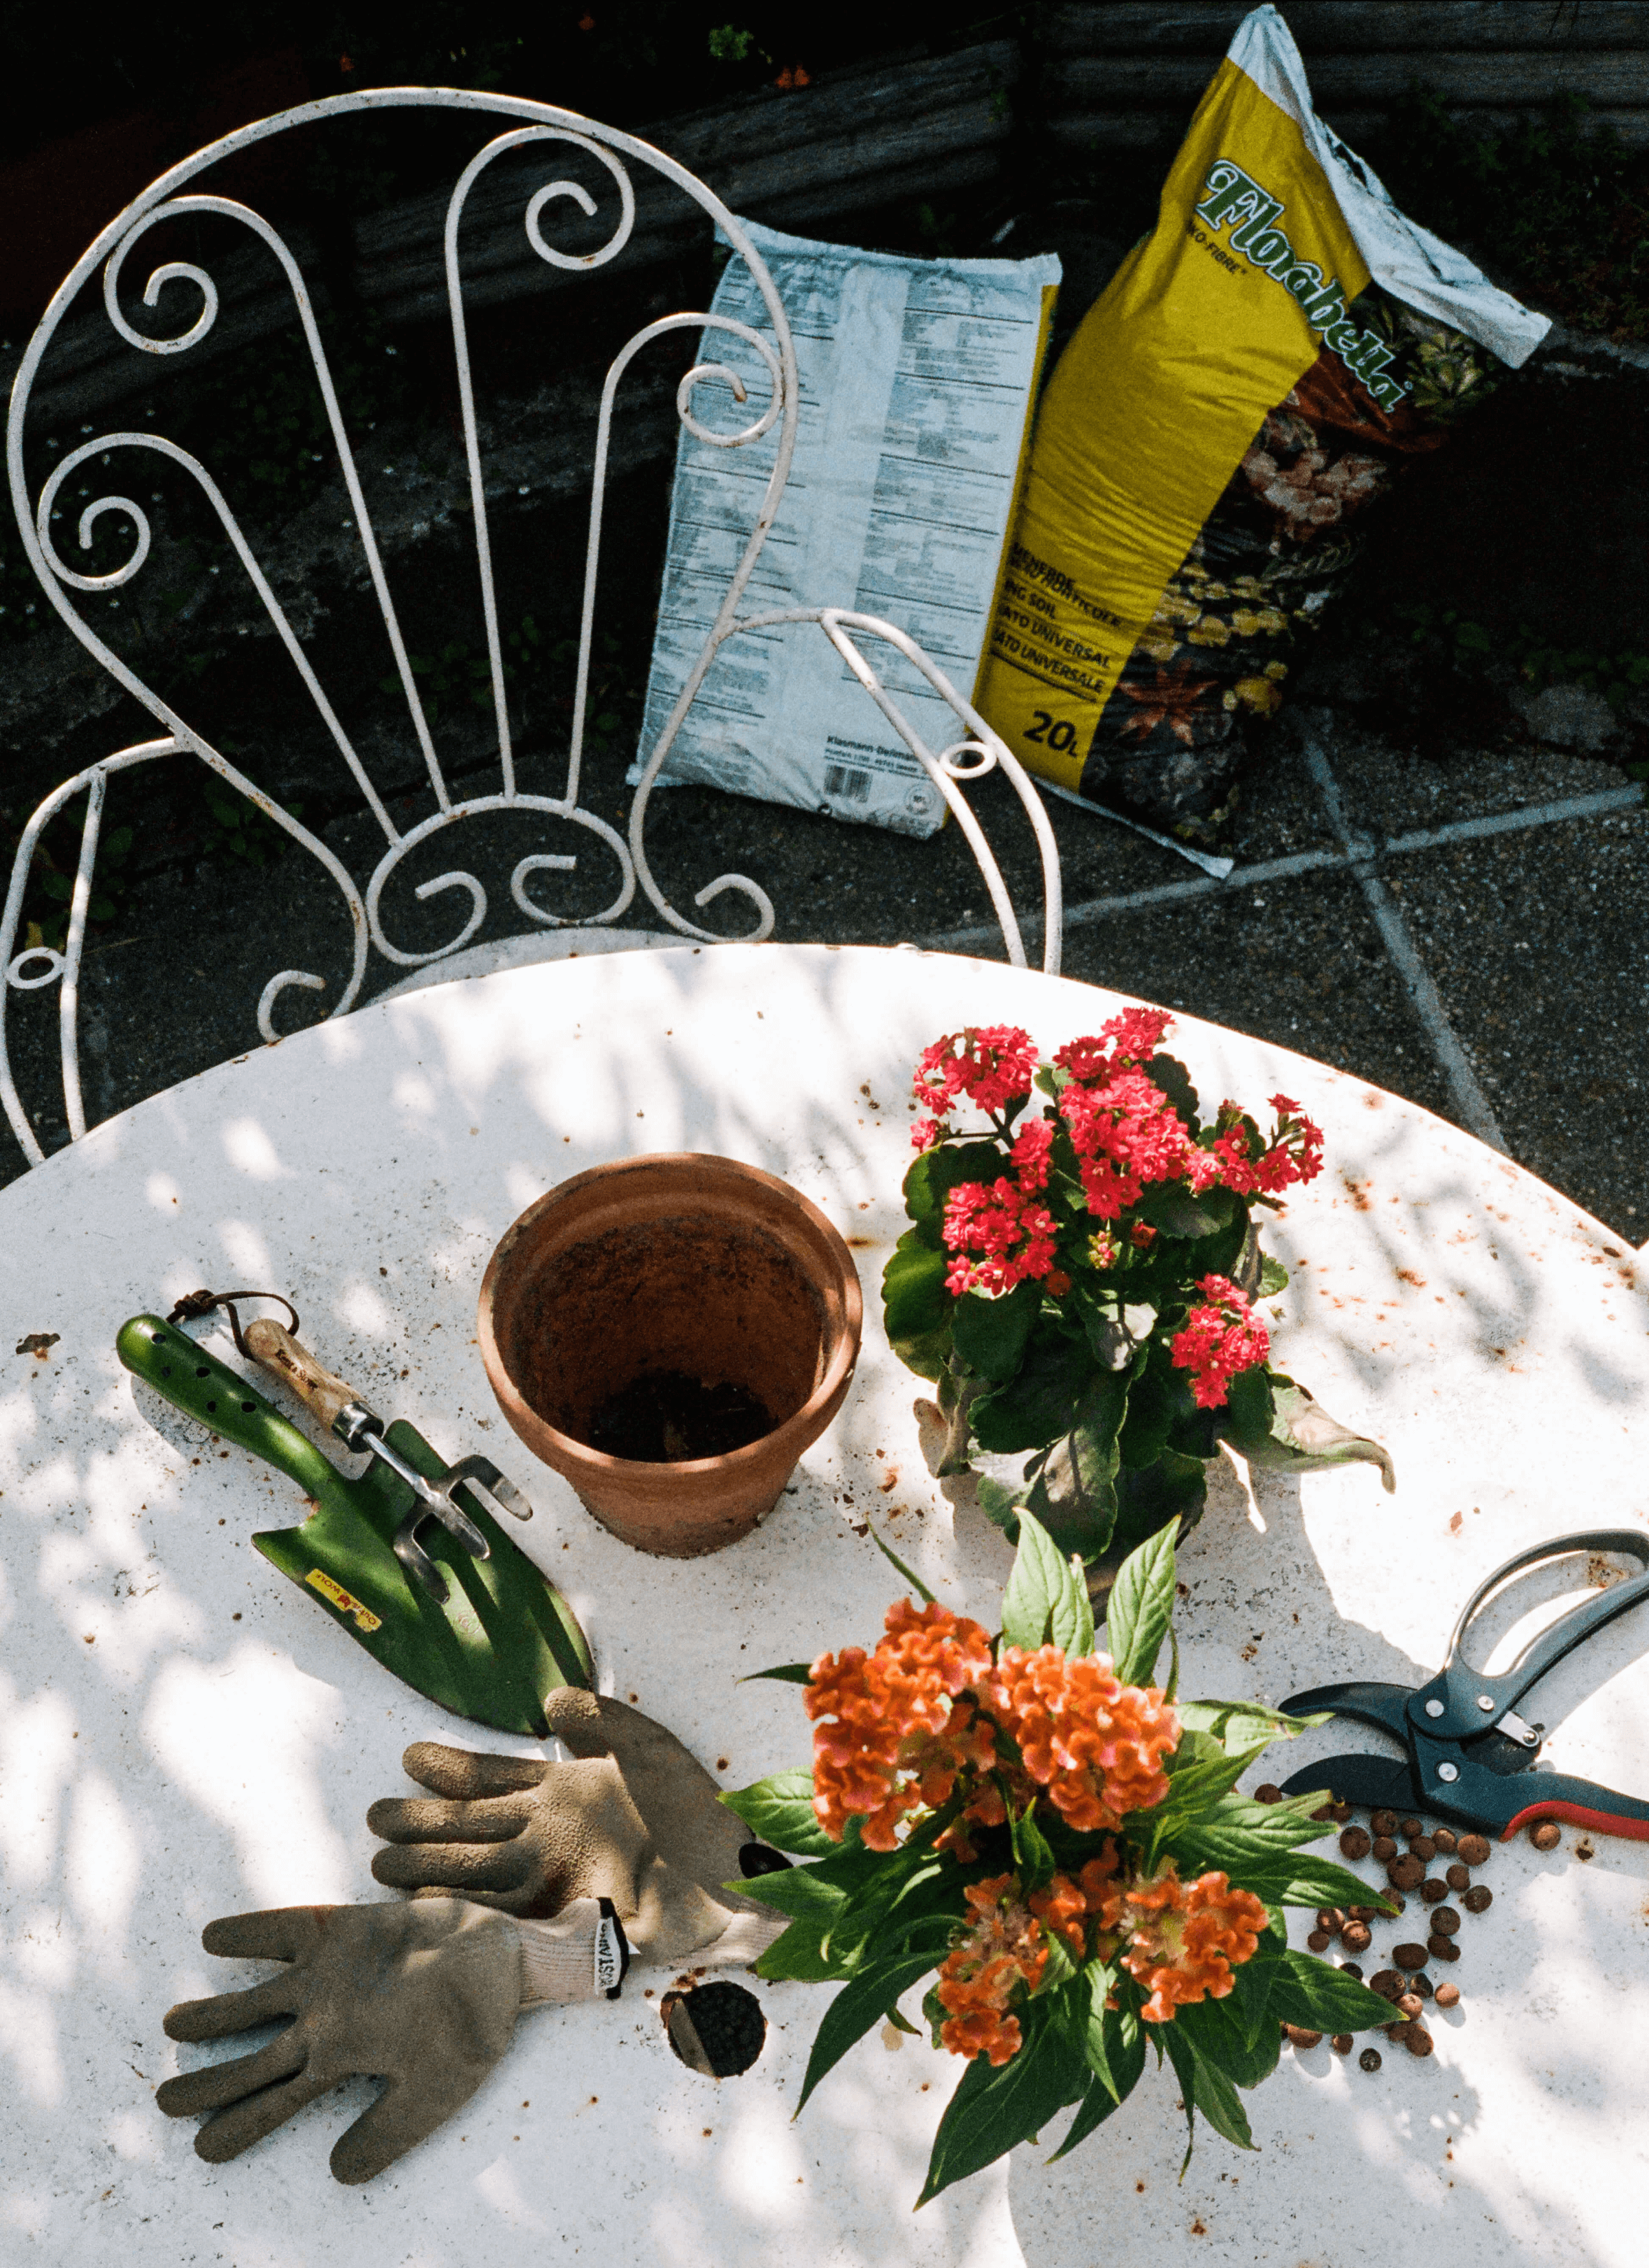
(1186, 1938)
(1095, 1744)
(893, 1728)
(1007, 1947)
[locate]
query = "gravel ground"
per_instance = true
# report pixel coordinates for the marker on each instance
(1531, 938)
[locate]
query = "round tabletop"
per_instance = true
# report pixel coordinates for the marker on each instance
(183, 1736)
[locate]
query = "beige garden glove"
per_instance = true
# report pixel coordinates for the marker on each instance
(422, 1996)
(634, 1820)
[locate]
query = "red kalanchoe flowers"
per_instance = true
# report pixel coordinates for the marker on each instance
(992, 1064)
(1012, 1235)
(1133, 1037)
(1220, 1338)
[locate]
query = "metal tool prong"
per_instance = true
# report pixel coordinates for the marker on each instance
(496, 1493)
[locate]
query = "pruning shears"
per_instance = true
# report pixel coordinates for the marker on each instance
(1469, 1753)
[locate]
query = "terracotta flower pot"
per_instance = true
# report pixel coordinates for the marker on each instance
(687, 1265)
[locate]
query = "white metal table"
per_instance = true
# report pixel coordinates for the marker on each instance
(182, 1735)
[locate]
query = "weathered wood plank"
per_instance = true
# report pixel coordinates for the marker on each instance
(1514, 79)
(1086, 133)
(1205, 27)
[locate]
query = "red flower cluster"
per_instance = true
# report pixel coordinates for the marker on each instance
(990, 1063)
(1125, 1134)
(1248, 1166)
(1220, 1338)
(1013, 1236)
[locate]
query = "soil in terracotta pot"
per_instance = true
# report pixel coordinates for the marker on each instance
(664, 1418)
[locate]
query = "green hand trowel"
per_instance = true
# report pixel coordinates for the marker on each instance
(434, 1591)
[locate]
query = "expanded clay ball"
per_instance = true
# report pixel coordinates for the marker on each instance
(1410, 1957)
(1445, 1840)
(1369, 2060)
(1387, 1983)
(1445, 1921)
(1356, 1937)
(1385, 1849)
(1422, 1984)
(1478, 1899)
(1383, 1822)
(1351, 1969)
(1434, 1892)
(1331, 1918)
(1547, 1835)
(1405, 1873)
(1417, 2040)
(1301, 2038)
(1341, 2043)
(1318, 1941)
(1448, 1996)
(1458, 1878)
(1356, 1843)
(1473, 1848)
(1442, 1948)
(1268, 1792)
(1422, 1847)
(1410, 1828)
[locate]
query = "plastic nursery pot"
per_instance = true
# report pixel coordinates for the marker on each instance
(696, 1267)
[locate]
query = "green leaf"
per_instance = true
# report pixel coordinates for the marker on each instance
(993, 2111)
(1239, 1724)
(926, 1352)
(887, 1552)
(779, 1810)
(1101, 2038)
(1144, 1433)
(990, 1335)
(1043, 1596)
(801, 1956)
(937, 1172)
(1169, 1494)
(1141, 1608)
(1323, 1998)
(788, 1673)
(1205, 2088)
(914, 1298)
(799, 1892)
(1039, 1404)
(1169, 1075)
(1296, 1433)
(1218, 2031)
(1033, 1859)
(1166, 1206)
(1273, 1278)
(1250, 2000)
(1316, 1883)
(857, 2007)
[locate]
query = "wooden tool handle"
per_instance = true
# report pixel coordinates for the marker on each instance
(319, 1389)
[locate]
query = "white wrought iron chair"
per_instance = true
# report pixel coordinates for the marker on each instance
(976, 750)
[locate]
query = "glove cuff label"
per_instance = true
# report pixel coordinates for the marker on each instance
(612, 1952)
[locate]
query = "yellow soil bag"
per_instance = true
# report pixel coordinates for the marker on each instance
(1255, 373)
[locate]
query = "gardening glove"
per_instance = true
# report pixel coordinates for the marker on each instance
(423, 1996)
(634, 1820)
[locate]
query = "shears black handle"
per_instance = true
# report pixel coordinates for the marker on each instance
(1545, 1651)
